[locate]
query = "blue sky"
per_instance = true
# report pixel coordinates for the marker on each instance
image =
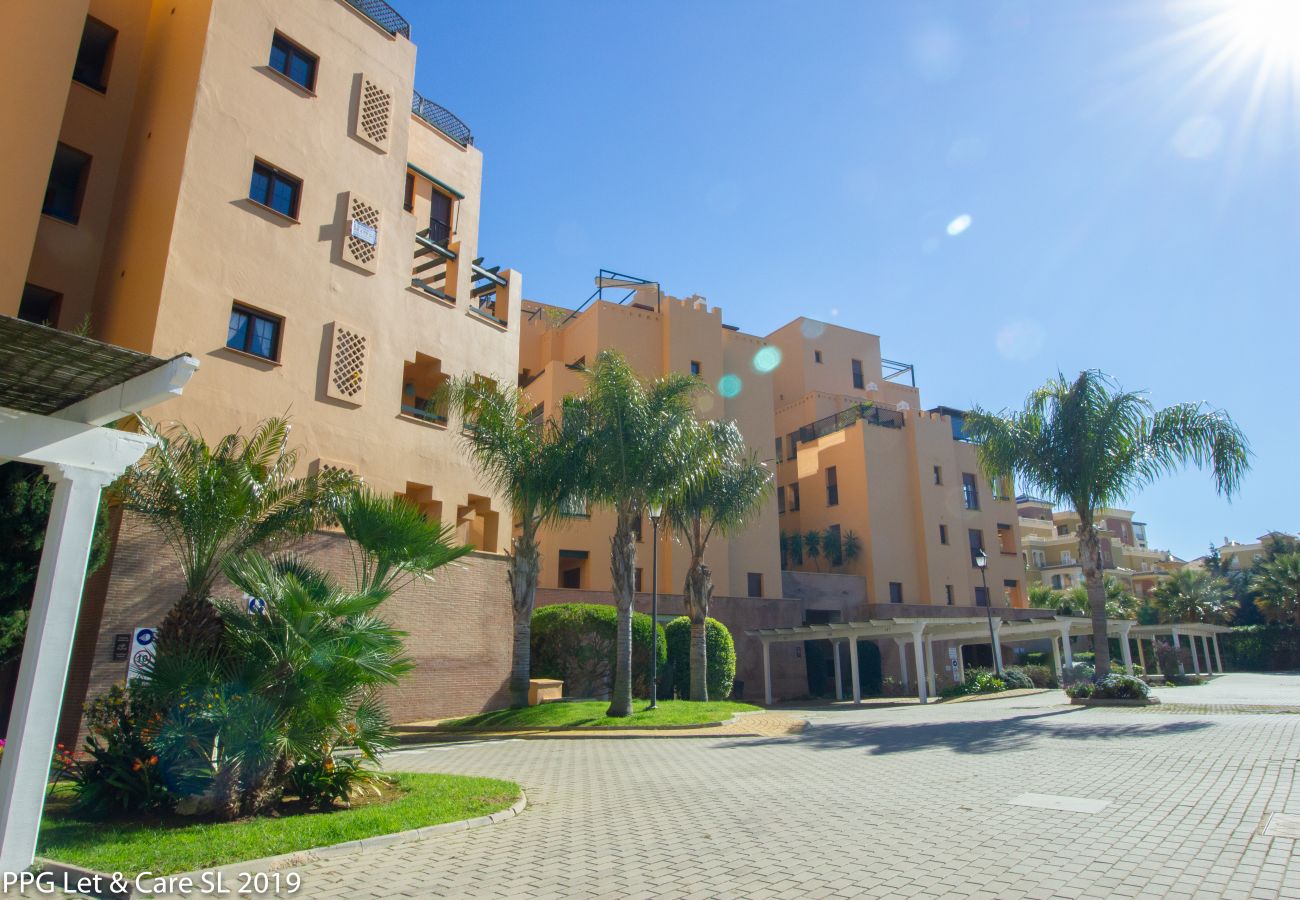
(1131, 174)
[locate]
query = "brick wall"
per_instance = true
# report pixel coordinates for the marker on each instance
(458, 624)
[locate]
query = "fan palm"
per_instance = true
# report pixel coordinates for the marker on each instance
(392, 541)
(1089, 443)
(638, 451)
(722, 501)
(1193, 595)
(535, 463)
(1276, 583)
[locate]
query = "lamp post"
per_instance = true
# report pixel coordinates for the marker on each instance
(982, 563)
(655, 511)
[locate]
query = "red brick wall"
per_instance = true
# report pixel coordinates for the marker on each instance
(458, 624)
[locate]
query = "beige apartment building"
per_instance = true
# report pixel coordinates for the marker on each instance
(859, 457)
(658, 334)
(1051, 548)
(1240, 556)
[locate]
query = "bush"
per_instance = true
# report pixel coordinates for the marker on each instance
(721, 652)
(1262, 648)
(1016, 678)
(1167, 660)
(978, 681)
(1042, 676)
(121, 772)
(577, 643)
(323, 781)
(1112, 687)
(1036, 658)
(1077, 673)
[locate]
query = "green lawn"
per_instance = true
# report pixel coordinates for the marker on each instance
(178, 846)
(591, 714)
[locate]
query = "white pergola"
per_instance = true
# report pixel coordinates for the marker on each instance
(922, 632)
(1209, 635)
(57, 391)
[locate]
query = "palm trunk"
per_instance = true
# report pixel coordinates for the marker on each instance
(1090, 551)
(524, 565)
(622, 567)
(699, 587)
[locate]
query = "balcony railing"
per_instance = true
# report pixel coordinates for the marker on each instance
(866, 412)
(442, 119)
(382, 15)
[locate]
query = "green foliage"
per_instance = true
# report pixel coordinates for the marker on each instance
(852, 550)
(591, 714)
(1017, 678)
(1080, 671)
(1193, 595)
(833, 546)
(978, 681)
(1112, 687)
(796, 547)
(1262, 648)
(721, 657)
(812, 546)
(120, 771)
(1167, 660)
(1041, 676)
(1276, 583)
(575, 642)
(392, 541)
(324, 782)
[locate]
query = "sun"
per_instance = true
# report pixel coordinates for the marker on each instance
(1267, 28)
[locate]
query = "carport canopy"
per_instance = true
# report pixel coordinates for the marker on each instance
(57, 391)
(1209, 635)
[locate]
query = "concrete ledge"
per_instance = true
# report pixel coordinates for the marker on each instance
(1089, 701)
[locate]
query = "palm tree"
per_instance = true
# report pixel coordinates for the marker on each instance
(1043, 597)
(211, 504)
(833, 546)
(852, 549)
(1276, 583)
(723, 500)
(796, 548)
(1088, 443)
(392, 541)
(639, 450)
(812, 546)
(1193, 595)
(535, 463)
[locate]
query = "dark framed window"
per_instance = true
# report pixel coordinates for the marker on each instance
(40, 305)
(943, 534)
(94, 55)
(636, 579)
(755, 584)
(67, 184)
(794, 497)
(832, 487)
(695, 367)
(636, 528)
(408, 198)
(817, 356)
(780, 500)
(571, 578)
(441, 207)
(276, 189)
(976, 539)
(293, 62)
(981, 596)
(938, 474)
(895, 592)
(778, 449)
(947, 590)
(254, 332)
(970, 492)
(858, 381)
(791, 444)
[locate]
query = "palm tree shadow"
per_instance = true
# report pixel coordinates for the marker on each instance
(1015, 733)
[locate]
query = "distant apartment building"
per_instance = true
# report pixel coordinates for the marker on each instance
(658, 334)
(857, 455)
(1051, 548)
(1239, 556)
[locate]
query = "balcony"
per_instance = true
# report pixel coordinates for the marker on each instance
(865, 412)
(382, 15)
(442, 119)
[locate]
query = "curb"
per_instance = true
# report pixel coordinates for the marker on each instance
(1088, 701)
(419, 735)
(298, 857)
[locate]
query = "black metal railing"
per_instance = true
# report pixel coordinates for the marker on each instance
(864, 412)
(382, 15)
(442, 119)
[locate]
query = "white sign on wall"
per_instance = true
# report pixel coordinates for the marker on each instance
(363, 232)
(144, 644)
(954, 663)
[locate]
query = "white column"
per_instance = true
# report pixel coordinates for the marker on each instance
(902, 662)
(1178, 651)
(1125, 652)
(1205, 645)
(1142, 658)
(839, 687)
(929, 667)
(767, 673)
(853, 666)
(1196, 662)
(1065, 646)
(919, 652)
(1217, 657)
(997, 644)
(1056, 656)
(961, 665)
(44, 670)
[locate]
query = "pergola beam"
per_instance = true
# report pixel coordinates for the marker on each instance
(133, 395)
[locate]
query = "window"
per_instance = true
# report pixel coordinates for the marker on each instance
(817, 356)
(695, 367)
(794, 497)
(67, 184)
(636, 579)
(1056, 582)
(94, 55)
(832, 487)
(1038, 557)
(755, 584)
(1009, 589)
(791, 444)
(858, 381)
(440, 212)
(778, 449)
(1006, 539)
(408, 199)
(947, 591)
(780, 500)
(1062, 530)
(636, 528)
(39, 305)
(981, 596)
(976, 539)
(254, 332)
(1067, 558)
(895, 592)
(571, 577)
(292, 61)
(421, 381)
(938, 474)
(970, 492)
(943, 534)
(275, 189)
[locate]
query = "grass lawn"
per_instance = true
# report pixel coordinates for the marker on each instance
(591, 714)
(178, 845)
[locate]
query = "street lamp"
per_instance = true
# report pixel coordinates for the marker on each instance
(655, 511)
(982, 563)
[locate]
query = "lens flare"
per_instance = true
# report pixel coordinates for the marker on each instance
(767, 359)
(729, 385)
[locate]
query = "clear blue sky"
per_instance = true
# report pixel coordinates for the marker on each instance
(1131, 174)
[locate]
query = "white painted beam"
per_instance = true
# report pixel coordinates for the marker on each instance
(131, 396)
(44, 440)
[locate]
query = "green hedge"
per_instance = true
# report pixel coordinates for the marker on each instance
(721, 655)
(1261, 648)
(577, 643)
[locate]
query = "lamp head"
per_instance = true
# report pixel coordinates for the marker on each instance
(981, 559)
(654, 511)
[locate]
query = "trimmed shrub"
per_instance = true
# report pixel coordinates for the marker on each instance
(1016, 678)
(1112, 687)
(1077, 673)
(721, 658)
(978, 681)
(577, 643)
(1042, 676)
(1262, 648)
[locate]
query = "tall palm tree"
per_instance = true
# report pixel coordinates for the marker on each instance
(1193, 595)
(722, 501)
(214, 503)
(638, 451)
(536, 464)
(1276, 583)
(1089, 443)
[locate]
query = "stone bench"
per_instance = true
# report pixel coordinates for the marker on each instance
(544, 690)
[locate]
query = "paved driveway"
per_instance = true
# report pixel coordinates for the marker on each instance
(909, 801)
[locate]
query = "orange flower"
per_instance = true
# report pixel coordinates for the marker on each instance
(136, 766)
(153, 760)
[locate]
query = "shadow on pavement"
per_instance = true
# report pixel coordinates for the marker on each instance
(1014, 733)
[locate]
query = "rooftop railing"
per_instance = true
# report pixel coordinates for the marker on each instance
(442, 119)
(865, 412)
(382, 15)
